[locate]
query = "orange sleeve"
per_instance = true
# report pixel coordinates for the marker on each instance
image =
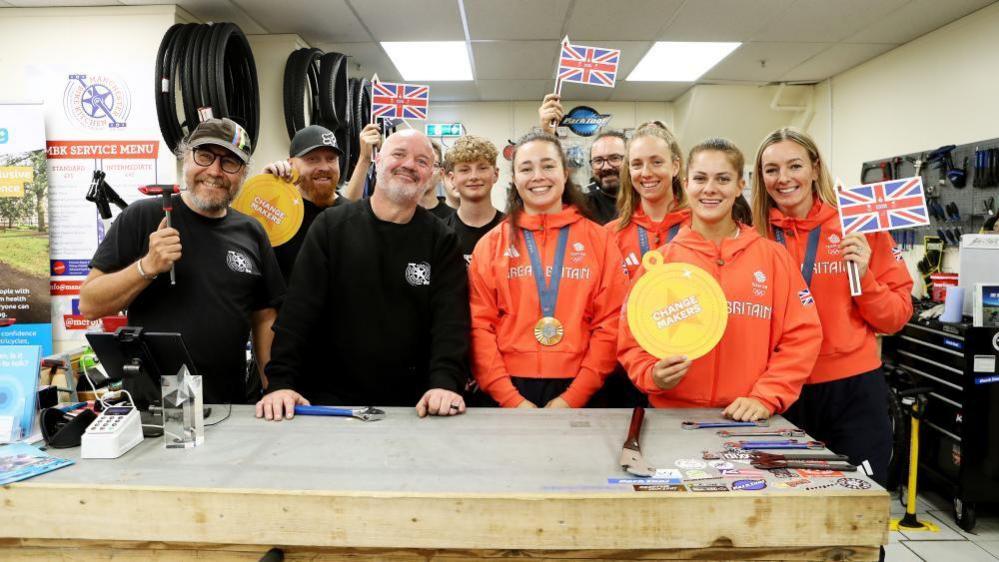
(635, 360)
(487, 361)
(796, 335)
(601, 354)
(886, 302)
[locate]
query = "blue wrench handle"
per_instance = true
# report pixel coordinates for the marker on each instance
(323, 411)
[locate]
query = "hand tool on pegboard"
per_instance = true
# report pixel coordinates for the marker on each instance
(942, 159)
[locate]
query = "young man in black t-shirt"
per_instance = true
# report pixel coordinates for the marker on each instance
(430, 201)
(470, 166)
(227, 278)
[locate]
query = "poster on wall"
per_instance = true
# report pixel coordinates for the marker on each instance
(25, 305)
(102, 132)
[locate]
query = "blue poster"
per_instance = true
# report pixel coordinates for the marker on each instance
(18, 389)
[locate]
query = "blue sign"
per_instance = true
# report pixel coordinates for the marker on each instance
(953, 343)
(584, 121)
(749, 484)
(4, 136)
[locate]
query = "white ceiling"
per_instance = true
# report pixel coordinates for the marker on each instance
(514, 43)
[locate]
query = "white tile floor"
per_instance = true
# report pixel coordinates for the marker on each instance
(950, 543)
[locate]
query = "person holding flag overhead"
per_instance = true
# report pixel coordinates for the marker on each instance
(650, 203)
(545, 287)
(844, 402)
(771, 334)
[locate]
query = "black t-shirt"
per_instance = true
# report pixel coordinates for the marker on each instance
(376, 312)
(468, 236)
(603, 205)
(227, 271)
(287, 252)
(441, 211)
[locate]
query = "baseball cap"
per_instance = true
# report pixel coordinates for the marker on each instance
(311, 138)
(222, 132)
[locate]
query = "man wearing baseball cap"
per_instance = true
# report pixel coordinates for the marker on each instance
(315, 156)
(227, 278)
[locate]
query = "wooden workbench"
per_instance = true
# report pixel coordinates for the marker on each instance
(528, 483)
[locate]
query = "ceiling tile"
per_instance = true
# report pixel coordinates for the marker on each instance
(744, 63)
(722, 20)
(821, 21)
(315, 21)
(412, 20)
(639, 20)
(916, 18)
(834, 60)
(649, 91)
(525, 90)
(507, 19)
(515, 60)
(453, 91)
(369, 56)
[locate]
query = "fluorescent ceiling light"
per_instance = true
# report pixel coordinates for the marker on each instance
(430, 60)
(670, 61)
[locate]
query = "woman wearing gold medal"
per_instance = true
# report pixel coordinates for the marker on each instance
(546, 287)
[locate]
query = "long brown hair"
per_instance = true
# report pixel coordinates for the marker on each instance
(821, 188)
(627, 199)
(741, 212)
(571, 194)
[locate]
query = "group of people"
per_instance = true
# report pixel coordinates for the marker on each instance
(390, 303)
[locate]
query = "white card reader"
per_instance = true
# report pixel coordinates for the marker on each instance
(112, 434)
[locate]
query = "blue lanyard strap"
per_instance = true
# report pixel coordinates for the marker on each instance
(547, 292)
(643, 237)
(808, 267)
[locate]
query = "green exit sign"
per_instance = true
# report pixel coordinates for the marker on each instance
(440, 130)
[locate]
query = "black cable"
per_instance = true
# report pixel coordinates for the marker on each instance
(225, 417)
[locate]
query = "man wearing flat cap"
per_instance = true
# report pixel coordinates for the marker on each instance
(227, 278)
(315, 157)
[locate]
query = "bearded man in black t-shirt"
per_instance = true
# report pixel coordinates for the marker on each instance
(227, 278)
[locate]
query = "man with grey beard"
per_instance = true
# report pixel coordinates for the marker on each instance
(377, 308)
(227, 279)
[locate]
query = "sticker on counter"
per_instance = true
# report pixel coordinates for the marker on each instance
(643, 481)
(689, 463)
(782, 473)
(660, 488)
(743, 472)
(854, 483)
(984, 364)
(790, 484)
(749, 485)
(720, 464)
(708, 487)
(668, 473)
(812, 473)
(697, 474)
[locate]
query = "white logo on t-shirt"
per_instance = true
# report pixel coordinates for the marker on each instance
(418, 274)
(238, 262)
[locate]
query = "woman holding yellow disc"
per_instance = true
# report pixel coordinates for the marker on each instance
(771, 335)
(650, 200)
(844, 402)
(546, 287)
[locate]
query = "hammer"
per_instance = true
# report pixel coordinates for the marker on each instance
(165, 191)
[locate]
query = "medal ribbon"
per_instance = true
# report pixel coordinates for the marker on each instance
(547, 292)
(643, 237)
(808, 267)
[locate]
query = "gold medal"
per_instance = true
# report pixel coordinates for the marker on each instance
(548, 331)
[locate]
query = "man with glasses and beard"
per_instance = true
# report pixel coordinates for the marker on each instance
(377, 309)
(227, 278)
(606, 156)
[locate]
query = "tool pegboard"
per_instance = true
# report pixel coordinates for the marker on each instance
(961, 183)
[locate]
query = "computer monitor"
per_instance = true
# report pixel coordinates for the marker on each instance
(138, 359)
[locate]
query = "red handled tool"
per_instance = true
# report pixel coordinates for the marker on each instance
(165, 191)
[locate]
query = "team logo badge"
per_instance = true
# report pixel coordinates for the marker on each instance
(238, 262)
(511, 252)
(806, 297)
(418, 274)
(760, 277)
(329, 139)
(578, 253)
(97, 101)
(759, 283)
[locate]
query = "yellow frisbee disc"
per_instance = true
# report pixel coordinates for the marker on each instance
(275, 203)
(676, 309)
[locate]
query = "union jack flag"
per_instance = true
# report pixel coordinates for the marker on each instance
(883, 206)
(399, 101)
(806, 297)
(588, 65)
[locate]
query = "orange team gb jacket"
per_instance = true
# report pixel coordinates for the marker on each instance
(627, 239)
(505, 307)
(771, 339)
(849, 324)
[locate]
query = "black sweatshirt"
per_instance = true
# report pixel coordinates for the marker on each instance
(376, 312)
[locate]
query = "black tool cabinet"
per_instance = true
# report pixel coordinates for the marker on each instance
(959, 435)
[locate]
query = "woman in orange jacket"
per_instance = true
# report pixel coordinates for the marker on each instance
(650, 199)
(844, 401)
(546, 286)
(772, 334)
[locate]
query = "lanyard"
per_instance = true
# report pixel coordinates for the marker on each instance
(643, 237)
(808, 267)
(547, 292)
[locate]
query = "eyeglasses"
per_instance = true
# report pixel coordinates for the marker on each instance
(613, 160)
(205, 158)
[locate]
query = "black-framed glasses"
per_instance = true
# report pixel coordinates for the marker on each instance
(613, 160)
(205, 158)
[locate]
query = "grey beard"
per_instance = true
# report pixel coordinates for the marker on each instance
(208, 206)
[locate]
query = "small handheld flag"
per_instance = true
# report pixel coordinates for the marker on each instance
(399, 101)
